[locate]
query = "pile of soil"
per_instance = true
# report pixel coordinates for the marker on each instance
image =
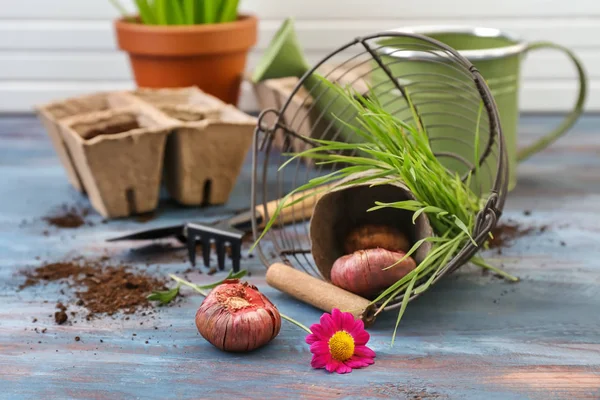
(101, 289)
(68, 216)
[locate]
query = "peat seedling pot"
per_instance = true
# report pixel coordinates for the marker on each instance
(119, 156)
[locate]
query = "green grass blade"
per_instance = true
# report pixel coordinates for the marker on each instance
(464, 228)
(199, 11)
(481, 263)
(146, 13)
(427, 209)
(189, 11)
(231, 275)
(433, 255)
(161, 11)
(211, 9)
(176, 14)
(442, 264)
(229, 11)
(403, 306)
(408, 205)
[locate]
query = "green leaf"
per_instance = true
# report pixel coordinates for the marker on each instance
(199, 11)
(441, 265)
(189, 11)
(161, 11)
(176, 13)
(228, 11)
(413, 174)
(146, 13)
(231, 275)
(428, 209)
(464, 228)
(481, 263)
(409, 205)
(164, 297)
(211, 9)
(403, 306)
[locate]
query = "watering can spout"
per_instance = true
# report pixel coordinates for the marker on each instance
(284, 56)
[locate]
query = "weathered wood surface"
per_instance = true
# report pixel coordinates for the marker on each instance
(472, 336)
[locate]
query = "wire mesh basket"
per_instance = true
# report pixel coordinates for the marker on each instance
(452, 102)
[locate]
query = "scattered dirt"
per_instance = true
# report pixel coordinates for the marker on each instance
(101, 289)
(60, 317)
(68, 216)
(505, 233)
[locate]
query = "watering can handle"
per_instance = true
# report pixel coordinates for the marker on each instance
(572, 117)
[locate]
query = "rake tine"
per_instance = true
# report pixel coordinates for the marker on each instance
(220, 234)
(206, 250)
(236, 254)
(191, 245)
(220, 245)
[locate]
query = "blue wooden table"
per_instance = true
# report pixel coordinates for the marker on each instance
(472, 336)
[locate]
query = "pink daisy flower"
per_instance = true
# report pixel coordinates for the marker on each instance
(338, 343)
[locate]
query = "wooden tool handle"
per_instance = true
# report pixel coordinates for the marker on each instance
(296, 212)
(318, 293)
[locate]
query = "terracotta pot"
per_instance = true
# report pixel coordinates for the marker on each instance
(210, 56)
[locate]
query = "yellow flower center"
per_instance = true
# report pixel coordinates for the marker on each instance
(341, 346)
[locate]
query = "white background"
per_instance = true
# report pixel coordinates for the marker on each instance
(51, 49)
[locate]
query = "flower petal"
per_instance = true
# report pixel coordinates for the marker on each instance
(319, 361)
(359, 362)
(338, 318)
(359, 334)
(332, 365)
(318, 330)
(312, 338)
(359, 325)
(319, 347)
(328, 325)
(347, 321)
(360, 337)
(343, 369)
(364, 352)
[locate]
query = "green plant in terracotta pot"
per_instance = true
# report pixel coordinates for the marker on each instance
(179, 43)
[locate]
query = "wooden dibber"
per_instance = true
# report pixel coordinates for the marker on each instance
(318, 293)
(292, 213)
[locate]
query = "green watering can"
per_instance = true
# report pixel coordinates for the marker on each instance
(435, 88)
(498, 58)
